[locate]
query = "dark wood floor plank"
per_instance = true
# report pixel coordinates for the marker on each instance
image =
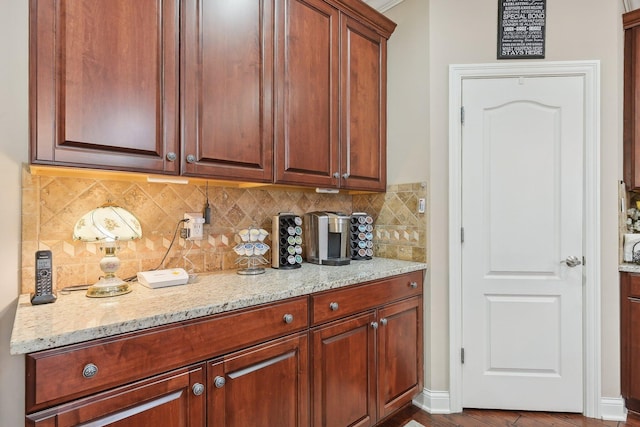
(495, 418)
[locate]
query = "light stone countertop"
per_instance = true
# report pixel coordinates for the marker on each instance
(629, 267)
(74, 318)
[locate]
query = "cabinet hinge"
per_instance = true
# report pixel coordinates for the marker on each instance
(462, 115)
(461, 234)
(462, 355)
(584, 261)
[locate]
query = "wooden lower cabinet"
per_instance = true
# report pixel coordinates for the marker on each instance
(343, 368)
(339, 358)
(400, 367)
(630, 339)
(176, 399)
(367, 366)
(266, 386)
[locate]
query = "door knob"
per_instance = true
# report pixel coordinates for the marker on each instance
(572, 261)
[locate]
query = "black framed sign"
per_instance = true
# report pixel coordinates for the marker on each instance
(521, 28)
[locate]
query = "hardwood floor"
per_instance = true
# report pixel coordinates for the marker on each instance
(492, 418)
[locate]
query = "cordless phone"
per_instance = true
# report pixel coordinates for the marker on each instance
(44, 280)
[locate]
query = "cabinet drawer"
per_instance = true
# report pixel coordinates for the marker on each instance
(335, 304)
(634, 286)
(58, 375)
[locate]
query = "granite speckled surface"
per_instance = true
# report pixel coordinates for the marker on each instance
(75, 318)
(629, 267)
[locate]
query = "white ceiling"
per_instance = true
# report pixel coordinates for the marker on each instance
(382, 5)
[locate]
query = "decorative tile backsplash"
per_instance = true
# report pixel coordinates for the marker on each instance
(51, 206)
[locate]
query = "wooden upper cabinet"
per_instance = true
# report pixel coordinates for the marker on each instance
(307, 70)
(103, 83)
(227, 89)
(331, 114)
(363, 105)
(631, 139)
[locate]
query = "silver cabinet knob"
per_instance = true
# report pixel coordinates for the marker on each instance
(345, 175)
(191, 158)
(288, 318)
(383, 321)
(374, 325)
(89, 370)
(413, 285)
(198, 389)
(333, 306)
(171, 156)
(336, 175)
(572, 261)
(219, 381)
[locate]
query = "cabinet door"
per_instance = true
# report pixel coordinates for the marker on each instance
(399, 355)
(363, 106)
(629, 339)
(103, 78)
(227, 89)
(265, 386)
(343, 373)
(307, 70)
(176, 399)
(631, 138)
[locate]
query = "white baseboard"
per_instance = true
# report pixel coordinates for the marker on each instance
(434, 402)
(437, 402)
(613, 409)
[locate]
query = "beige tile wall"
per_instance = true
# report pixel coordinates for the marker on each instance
(51, 206)
(400, 231)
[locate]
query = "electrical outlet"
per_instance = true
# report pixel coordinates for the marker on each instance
(195, 225)
(421, 205)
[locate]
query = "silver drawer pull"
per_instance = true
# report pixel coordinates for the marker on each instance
(219, 381)
(383, 321)
(90, 370)
(374, 325)
(334, 306)
(288, 318)
(198, 389)
(413, 285)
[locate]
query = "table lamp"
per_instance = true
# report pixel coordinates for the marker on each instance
(108, 225)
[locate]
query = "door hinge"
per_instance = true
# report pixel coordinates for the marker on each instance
(584, 261)
(462, 355)
(461, 234)
(461, 115)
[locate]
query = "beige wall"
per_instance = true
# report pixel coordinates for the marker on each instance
(13, 151)
(464, 31)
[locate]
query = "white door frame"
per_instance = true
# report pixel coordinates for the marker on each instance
(590, 70)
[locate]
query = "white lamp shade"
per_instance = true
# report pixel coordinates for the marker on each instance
(107, 223)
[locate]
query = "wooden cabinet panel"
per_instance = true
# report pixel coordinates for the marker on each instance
(364, 297)
(631, 156)
(400, 370)
(103, 82)
(54, 376)
(630, 340)
(265, 386)
(307, 117)
(344, 373)
(167, 400)
(363, 105)
(227, 89)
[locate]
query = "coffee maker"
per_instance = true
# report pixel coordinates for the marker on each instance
(327, 238)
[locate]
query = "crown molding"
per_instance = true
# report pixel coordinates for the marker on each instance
(383, 5)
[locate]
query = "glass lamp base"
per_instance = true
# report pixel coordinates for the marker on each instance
(108, 287)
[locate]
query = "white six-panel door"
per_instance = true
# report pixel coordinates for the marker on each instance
(522, 213)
